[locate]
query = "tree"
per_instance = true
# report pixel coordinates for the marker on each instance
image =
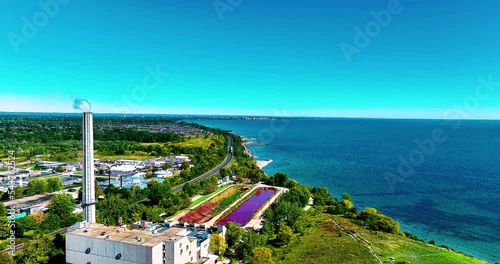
(261, 255)
(37, 186)
(3, 210)
(25, 224)
(59, 169)
(167, 166)
(285, 234)
(157, 191)
(153, 214)
(38, 216)
(54, 184)
(185, 165)
(234, 235)
(280, 179)
(4, 228)
(6, 258)
(51, 222)
(61, 205)
(111, 208)
(346, 196)
(37, 251)
(217, 244)
(148, 174)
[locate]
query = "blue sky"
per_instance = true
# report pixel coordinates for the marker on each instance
(256, 57)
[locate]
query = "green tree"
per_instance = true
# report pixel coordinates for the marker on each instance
(61, 205)
(167, 166)
(153, 213)
(111, 208)
(3, 210)
(346, 196)
(54, 184)
(50, 223)
(157, 191)
(6, 258)
(148, 174)
(25, 224)
(37, 186)
(4, 228)
(38, 251)
(285, 234)
(280, 179)
(261, 255)
(234, 235)
(59, 169)
(185, 165)
(217, 244)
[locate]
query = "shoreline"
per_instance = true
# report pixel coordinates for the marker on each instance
(262, 163)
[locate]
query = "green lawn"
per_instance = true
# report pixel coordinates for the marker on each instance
(227, 201)
(198, 141)
(138, 155)
(323, 244)
(205, 197)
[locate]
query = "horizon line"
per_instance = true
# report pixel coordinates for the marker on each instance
(256, 116)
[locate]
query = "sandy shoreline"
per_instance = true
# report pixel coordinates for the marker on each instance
(262, 163)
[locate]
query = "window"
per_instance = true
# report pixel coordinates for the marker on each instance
(180, 245)
(181, 251)
(187, 247)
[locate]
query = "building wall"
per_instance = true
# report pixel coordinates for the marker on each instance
(105, 251)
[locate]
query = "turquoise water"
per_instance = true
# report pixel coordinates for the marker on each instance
(451, 197)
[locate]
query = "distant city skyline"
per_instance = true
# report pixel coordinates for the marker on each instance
(381, 59)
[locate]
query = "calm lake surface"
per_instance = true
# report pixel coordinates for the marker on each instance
(451, 194)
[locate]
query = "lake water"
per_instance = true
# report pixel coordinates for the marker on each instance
(447, 188)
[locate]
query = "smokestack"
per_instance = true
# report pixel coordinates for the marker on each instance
(88, 201)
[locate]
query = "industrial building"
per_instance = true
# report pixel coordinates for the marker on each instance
(156, 244)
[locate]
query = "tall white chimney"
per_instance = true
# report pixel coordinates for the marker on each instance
(88, 198)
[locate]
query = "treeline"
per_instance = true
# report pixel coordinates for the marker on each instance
(33, 230)
(35, 186)
(31, 135)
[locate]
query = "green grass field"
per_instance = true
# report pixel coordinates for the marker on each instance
(138, 155)
(205, 197)
(326, 243)
(197, 141)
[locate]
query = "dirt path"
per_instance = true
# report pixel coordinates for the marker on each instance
(356, 237)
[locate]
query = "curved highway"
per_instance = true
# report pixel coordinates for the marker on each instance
(213, 171)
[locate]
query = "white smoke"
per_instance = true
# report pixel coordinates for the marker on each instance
(82, 105)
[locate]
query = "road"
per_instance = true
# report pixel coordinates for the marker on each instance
(213, 171)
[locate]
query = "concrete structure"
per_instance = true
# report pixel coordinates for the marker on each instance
(163, 174)
(88, 191)
(157, 244)
(123, 170)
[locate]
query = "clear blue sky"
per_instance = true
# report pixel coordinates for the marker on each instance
(262, 58)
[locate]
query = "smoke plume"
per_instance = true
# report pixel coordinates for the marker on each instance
(82, 105)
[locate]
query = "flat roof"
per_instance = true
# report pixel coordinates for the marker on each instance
(125, 235)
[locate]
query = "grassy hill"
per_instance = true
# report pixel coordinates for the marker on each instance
(337, 240)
